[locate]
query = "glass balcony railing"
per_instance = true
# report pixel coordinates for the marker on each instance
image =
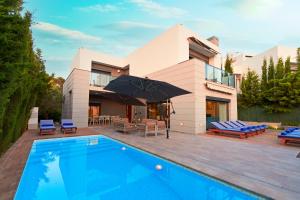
(100, 79)
(217, 75)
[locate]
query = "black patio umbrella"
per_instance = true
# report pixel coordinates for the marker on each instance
(120, 98)
(151, 90)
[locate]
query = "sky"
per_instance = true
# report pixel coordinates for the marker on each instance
(60, 27)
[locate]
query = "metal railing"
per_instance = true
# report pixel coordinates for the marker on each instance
(217, 75)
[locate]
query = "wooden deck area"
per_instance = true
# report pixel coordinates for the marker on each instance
(258, 163)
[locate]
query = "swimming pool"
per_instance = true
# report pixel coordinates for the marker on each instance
(98, 167)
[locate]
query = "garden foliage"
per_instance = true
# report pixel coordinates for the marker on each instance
(23, 80)
(277, 90)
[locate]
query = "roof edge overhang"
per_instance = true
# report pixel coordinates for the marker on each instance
(199, 46)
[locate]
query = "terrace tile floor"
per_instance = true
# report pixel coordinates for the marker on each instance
(258, 163)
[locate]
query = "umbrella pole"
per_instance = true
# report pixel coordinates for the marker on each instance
(168, 118)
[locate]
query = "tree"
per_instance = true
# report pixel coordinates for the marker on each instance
(22, 75)
(271, 73)
(228, 63)
(264, 78)
(298, 59)
(279, 72)
(287, 66)
(285, 95)
(50, 103)
(250, 89)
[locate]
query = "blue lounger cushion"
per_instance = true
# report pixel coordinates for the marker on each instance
(290, 136)
(238, 128)
(47, 127)
(47, 124)
(289, 132)
(263, 126)
(219, 126)
(240, 125)
(257, 127)
(67, 123)
(68, 126)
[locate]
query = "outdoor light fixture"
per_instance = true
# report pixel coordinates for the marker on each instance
(181, 123)
(123, 148)
(118, 71)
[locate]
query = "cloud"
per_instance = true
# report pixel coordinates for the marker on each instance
(99, 8)
(202, 24)
(159, 10)
(127, 25)
(64, 32)
(252, 9)
(259, 8)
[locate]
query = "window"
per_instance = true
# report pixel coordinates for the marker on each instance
(100, 78)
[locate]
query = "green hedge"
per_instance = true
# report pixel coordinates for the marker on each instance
(22, 73)
(257, 113)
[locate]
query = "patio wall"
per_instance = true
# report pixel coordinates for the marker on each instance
(190, 109)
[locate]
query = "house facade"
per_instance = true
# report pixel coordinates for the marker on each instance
(177, 56)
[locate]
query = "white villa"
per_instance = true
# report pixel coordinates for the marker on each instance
(242, 61)
(178, 56)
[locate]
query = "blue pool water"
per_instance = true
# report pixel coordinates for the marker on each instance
(97, 167)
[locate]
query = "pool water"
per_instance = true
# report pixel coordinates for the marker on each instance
(97, 167)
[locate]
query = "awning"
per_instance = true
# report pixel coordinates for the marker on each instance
(202, 48)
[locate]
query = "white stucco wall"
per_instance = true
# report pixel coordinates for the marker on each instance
(242, 63)
(190, 109)
(169, 48)
(84, 57)
(76, 97)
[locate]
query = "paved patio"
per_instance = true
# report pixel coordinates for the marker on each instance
(259, 163)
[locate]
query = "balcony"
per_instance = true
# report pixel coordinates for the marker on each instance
(100, 79)
(217, 75)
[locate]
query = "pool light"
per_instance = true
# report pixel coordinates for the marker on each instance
(158, 167)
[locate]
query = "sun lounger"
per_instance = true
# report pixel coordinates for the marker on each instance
(47, 127)
(262, 126)
(252, 130)
(67, 126)
(241, 132)
(289, 135)
(257, 129)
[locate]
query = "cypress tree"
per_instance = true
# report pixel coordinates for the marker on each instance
(228, 67)
(264, 79)
(287, 66)
(250, 89)
(279, 72)
(271, 73)
(285, 95)
(298, 59)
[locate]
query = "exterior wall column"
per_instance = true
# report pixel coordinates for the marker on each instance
(80, 94)
(200, 97)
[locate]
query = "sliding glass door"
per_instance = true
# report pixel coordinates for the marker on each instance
(216, 111)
